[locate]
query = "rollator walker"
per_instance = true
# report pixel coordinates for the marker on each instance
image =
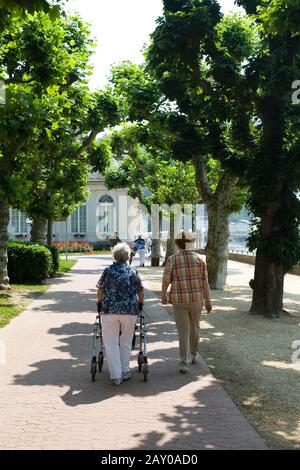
(141, 329)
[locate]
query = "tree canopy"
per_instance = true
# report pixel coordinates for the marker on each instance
(50, 119)
(239, 69)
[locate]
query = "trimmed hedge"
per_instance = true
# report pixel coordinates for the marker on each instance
(28, 262)
(102, 245)
(55, 258)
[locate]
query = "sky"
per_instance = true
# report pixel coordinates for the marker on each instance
(121, 28)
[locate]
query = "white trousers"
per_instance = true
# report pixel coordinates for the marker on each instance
(118, 348)
(142, 256)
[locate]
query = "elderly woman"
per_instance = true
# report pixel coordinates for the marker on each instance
(187, 274)
(120, 297)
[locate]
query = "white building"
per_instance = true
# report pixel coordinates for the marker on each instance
(104, 212)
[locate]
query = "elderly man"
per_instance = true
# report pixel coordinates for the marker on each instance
(186, 272)
(120, 298)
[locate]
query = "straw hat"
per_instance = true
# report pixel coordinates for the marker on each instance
(187, 235)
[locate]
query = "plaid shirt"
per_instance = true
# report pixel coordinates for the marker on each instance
(186, 272)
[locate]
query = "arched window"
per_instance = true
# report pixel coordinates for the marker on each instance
(106, 199)
(106, 223)
(78, 220)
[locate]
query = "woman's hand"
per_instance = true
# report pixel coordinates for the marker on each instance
(208, 306)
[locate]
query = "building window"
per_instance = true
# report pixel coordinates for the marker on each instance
(106, 199)
(78, 220)
(18, 222)
(106, 214)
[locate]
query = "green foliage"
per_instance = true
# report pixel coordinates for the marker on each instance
(28, 262)
(237, 36)
(99, 155)
(51, 118)
(37, 67)
(104, 110)
(281, 17)
(55, 259)
(149, 166)
(21, 7)
(231, 79)
(130, 80)
(173, 182)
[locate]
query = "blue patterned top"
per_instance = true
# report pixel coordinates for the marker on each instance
(120, 283)
(140, 244)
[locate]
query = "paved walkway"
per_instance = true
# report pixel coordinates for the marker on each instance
(47, 400)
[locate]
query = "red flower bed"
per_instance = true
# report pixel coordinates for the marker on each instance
(73, 247)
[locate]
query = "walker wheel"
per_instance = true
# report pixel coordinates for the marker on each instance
(94, 368)
(133, 342)
(100, 361)
(145, 371)
(140, 360)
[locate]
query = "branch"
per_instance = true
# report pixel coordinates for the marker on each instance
(201, 82)
(17, 80)
(202, 182)
(86, 143)
(70, 78)
(225, 187)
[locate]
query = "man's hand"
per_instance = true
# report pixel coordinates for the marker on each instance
(208, 306)
(164, 299)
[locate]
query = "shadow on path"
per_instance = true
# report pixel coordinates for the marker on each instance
(76, 340)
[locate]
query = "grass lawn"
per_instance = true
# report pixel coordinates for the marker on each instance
(65, 265)
(7, 309)
(12, 302)
(88, 253)
(15, 300)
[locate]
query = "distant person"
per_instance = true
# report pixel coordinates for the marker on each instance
(114, 240)
(133, 250)
(140, 245)
(187, 274)
(120, 298)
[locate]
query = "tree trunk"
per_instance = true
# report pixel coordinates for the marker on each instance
(217, 245)
(268, 277)
(50, 232)
(4, 220)
(218, 225)
(38, 229)
(268, 287)
(155, 252)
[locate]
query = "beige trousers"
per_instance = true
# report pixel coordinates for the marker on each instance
(187, 317)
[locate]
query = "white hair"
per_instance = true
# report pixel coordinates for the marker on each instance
(121, 252)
